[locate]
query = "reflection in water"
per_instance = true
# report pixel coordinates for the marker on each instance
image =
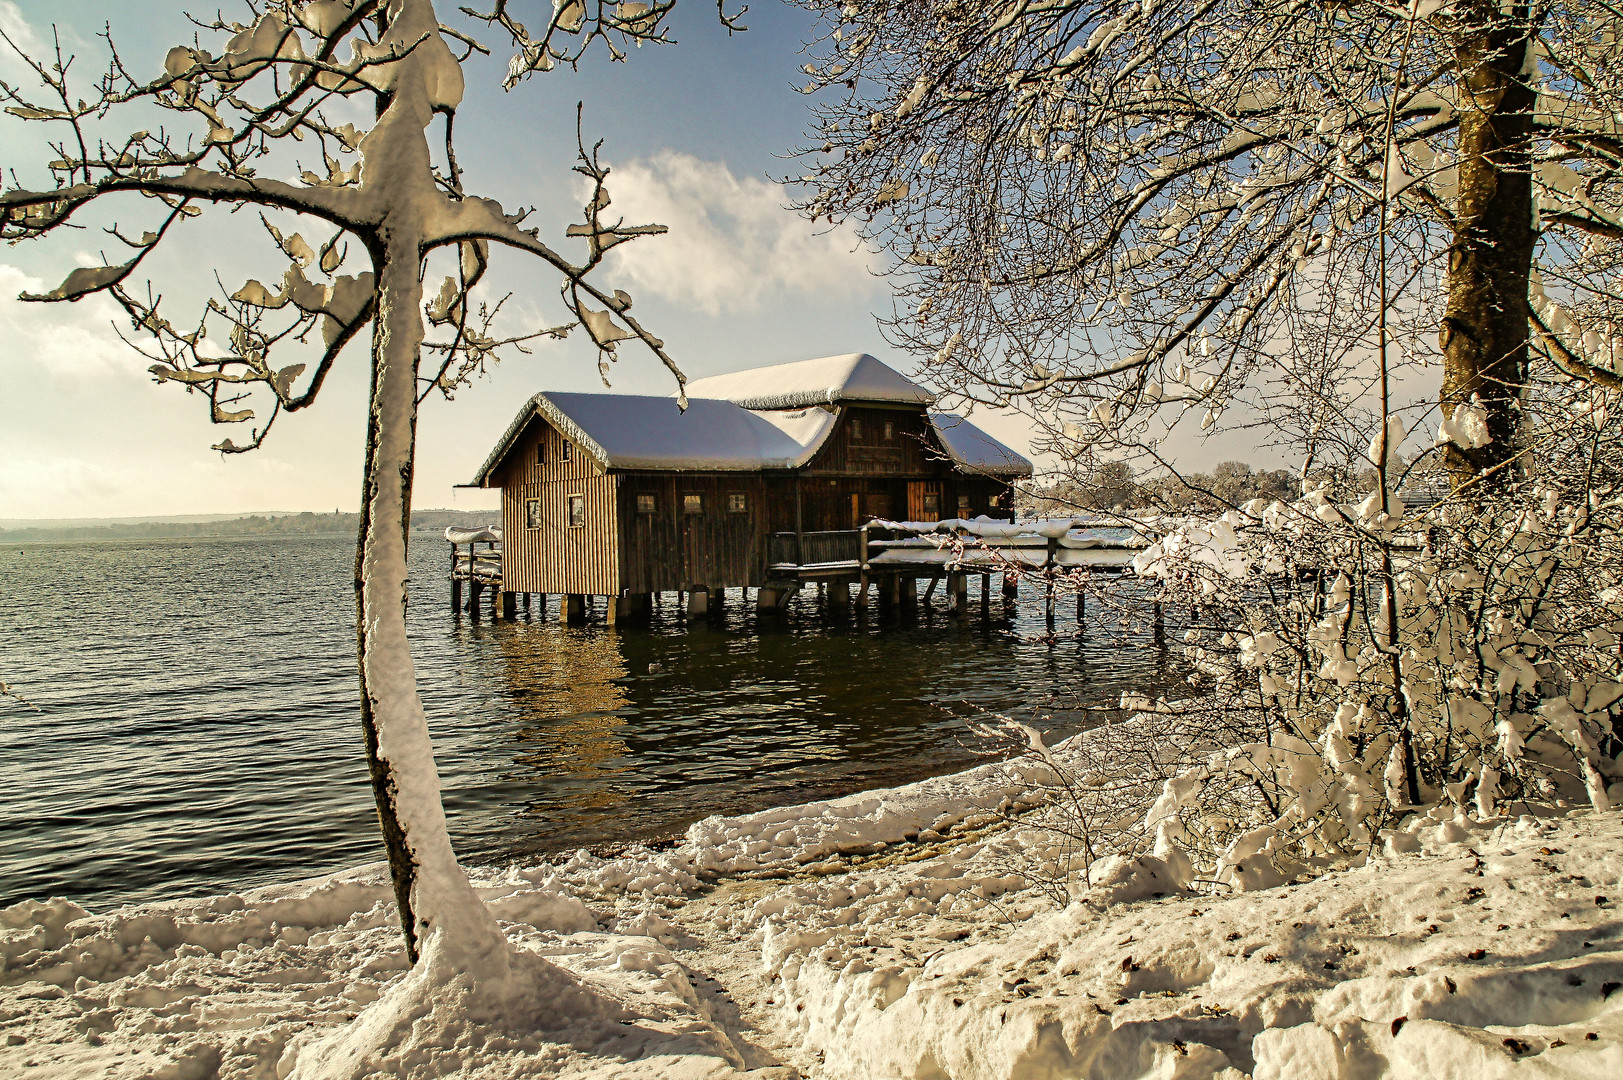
(149, 773)
(568, 701)
(637, 731)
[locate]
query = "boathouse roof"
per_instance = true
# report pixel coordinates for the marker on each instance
(828, 380)
(720, 434)
(631, 431)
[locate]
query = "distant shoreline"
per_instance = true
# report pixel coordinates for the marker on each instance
(251, 525)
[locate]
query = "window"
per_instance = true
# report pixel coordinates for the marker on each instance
(541, 452)
(890, 430)
(856, 429)
(738, 503)
(564, 455)
(532, 513)
(963, 506)
(932, 505)
(577, 510)
(693, 504)
(646, 504)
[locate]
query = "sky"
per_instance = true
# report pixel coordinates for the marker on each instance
(695, 134)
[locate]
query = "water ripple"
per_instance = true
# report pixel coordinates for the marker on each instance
(198, 725)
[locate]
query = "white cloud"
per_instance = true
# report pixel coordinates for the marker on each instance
(732, 247)
(21, 33)
(68, 342)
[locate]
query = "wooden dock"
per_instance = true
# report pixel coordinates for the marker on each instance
(886, 562)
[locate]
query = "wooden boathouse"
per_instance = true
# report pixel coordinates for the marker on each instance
(765, 481)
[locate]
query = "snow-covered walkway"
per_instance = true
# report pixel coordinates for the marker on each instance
(888, 934)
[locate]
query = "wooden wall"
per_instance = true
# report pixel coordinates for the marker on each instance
(557, 558)
(671, 549)
(857, 446)
(856, 477)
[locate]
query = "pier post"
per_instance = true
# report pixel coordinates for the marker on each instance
(1011, 584)
(526, 603)
(839, 597)
(1081, 607)
(509, 604)
(907, 599)
(475, 588)
(958, 593)
(571, 608)
(1160, 629)
(456, 596)
(698, 602)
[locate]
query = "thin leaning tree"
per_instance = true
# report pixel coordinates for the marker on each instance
(395, 192)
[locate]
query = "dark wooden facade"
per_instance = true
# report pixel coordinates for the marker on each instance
(658, 531)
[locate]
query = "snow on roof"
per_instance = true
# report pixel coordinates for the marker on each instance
(630, 431)
(828, 380)
(974, 450)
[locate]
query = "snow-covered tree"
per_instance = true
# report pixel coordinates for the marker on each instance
(334, 120)
(1120, 207)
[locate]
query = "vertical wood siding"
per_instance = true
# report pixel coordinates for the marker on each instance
(857, 446)
(856, 477)
(557, 558)
(671, 549)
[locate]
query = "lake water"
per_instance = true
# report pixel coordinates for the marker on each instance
(198, 728)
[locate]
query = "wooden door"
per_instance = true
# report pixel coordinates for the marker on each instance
(924, 500)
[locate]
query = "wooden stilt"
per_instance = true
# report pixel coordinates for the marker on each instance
(698, 602)
(509, 601)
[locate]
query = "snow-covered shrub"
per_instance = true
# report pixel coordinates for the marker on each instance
(1467, 654)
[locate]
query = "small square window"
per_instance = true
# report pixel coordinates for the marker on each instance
(532, 513)
(577, 511)
(932, 505)
(693, 504)
(564, 454)
(738, 503)
(963, 506)
(890, 430)
(646, 504)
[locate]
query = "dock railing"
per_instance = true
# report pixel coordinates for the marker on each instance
(842, 549)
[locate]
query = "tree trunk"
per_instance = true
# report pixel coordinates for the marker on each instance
(431, 890)
(1484, 335)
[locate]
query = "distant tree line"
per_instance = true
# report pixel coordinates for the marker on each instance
(1112, 485)
(304, 524)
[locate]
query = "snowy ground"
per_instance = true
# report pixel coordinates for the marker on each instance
(887, 934)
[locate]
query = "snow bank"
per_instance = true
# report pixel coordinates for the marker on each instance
(250, 986)
(896, 933)
(1493, 950)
